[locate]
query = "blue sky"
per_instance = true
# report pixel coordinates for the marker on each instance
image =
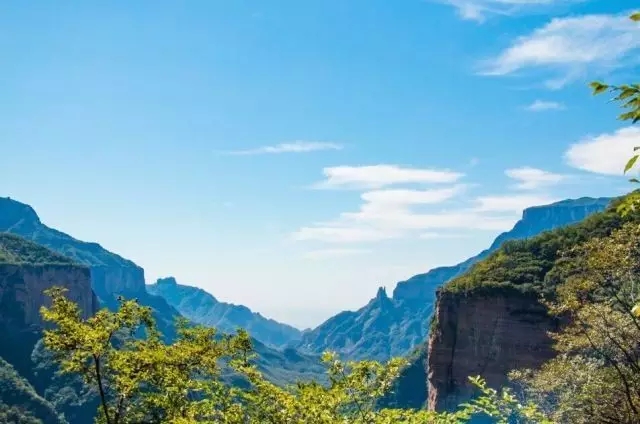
(292, 155)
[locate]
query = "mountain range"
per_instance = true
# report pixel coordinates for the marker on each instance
(203, 308)
(112, 275)
(395, 326)
(34, 257)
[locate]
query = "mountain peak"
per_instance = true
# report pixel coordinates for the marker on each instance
(14, 213)
(382, 293)
(167, 281)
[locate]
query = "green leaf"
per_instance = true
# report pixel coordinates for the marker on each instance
(598, 87)
(630, 163)
(634, 180)
(635, 17)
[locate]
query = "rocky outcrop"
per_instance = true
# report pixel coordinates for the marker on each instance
(27, 270)
(22, 291)
(118, 280)
(488, 333)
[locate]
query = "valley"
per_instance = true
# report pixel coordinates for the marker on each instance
(385, 328)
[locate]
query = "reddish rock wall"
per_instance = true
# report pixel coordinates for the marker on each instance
(486, 334)
(22, 291)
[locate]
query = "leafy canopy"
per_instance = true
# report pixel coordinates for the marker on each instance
(140, 379)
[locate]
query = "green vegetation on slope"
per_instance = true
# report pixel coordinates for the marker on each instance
(19, 402)
(19, 218)
(526, 265)
(596, 375)
(17, 250)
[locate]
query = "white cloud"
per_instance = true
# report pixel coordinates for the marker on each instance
(334, 253)
(533, 178)
(542, 105)
(434, 235)
(511, 203)
(384, 217)
(338, 233)
(570, 46)
(294, 147)
(378, 176)
(359, 227)
(402, 197)
(405, 220)
(477, 10)
(400, 212)
(606, 153)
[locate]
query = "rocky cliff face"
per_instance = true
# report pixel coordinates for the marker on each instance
(22, 291)
(115, 280)
(488, 335)
(110, 273)
(26, 271)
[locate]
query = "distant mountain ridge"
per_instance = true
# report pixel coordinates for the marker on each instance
(112, 275)
(388, 327)
(203, 308)
(534, 221)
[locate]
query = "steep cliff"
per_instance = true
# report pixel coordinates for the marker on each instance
(26, 271)
(486, 334)
(490, 320)
(203, 308)
(400, 324)
(110, 273)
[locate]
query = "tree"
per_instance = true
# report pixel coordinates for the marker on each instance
(141, 379)
(596, 375)
(628, 97)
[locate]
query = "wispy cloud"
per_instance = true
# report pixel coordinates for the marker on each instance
(605, 153)
(533, 178)
(569, 47)
(543, 105)
(428, 213)
(378, 176)
(395, 213)
(511, 203)
(478, 10)
(340, 232)
(401, 197)
(293, 147)
(433, 235)
(369, 226)
(334, 253)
